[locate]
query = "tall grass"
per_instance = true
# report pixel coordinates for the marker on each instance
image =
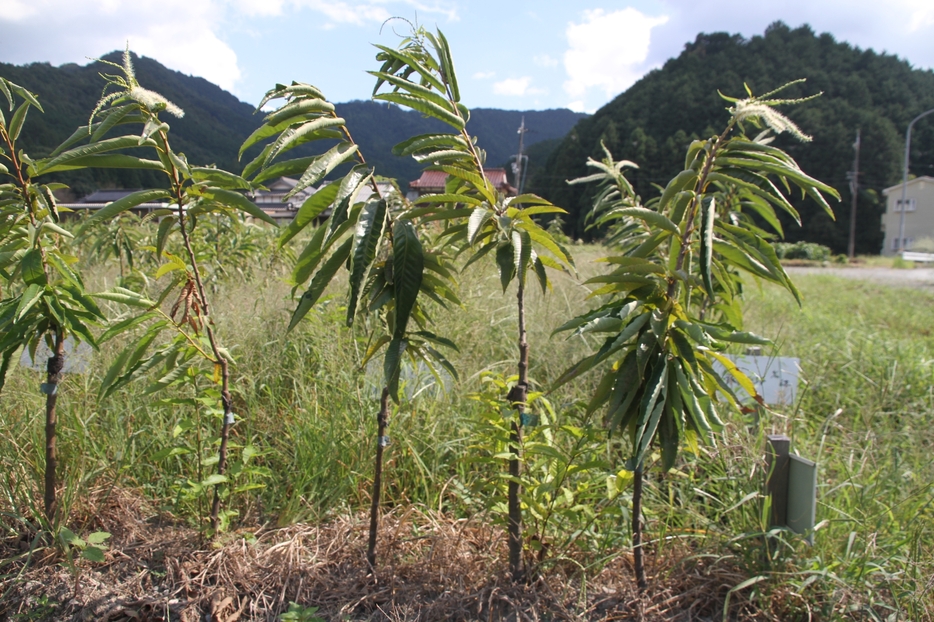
(864, 414)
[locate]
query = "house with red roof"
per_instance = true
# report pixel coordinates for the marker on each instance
(432, 182)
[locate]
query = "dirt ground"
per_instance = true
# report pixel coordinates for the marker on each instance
(431, 567)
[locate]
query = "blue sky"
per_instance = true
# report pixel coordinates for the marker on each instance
(513, 55)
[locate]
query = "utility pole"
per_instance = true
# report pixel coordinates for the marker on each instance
(853, 176)
(517, 169)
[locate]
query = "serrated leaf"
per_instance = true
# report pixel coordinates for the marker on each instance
(128, 202)
(28, 299)
(506, 264)
(708, 216)
(320, 282)
(93, 553)
(214, 480)
(408, 265)
(313, 207)
(239, 202)
(366, 240)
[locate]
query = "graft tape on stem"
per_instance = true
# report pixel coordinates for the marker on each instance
(229, 419)
(49, 388)
(383, 441)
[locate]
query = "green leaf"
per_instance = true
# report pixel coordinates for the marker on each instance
(313, 207)
(111, 144)
(295, 136)
(506, 264)
(93, 553)
(369, 232)
(162, 236)
(425, 106)
(127, 297)
(98, 537)
(522, 253)
(447, 65)
(539, 268)
(320, 282)
(321, 166)
(424, 142)
(33, 268)
(29, 298)
(125, 326)
(16, 122)
(214, 480)
(708, 216)
(478, 217)
(408, 265)
(414, 89)
(297, 108)
(108, 160)
(219, 177)
(111, 119)
(239, 202)
(410, 61)
(392, 365)
(653, 402)
(128, 202)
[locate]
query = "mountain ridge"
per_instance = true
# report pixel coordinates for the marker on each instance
(653, 121)
(216, 122)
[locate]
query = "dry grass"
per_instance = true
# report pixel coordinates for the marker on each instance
(432, 567)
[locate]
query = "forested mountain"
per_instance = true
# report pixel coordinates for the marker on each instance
(216, 122)
(653, 122)
(377, 127)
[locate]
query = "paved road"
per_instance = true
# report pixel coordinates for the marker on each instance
(918, 277)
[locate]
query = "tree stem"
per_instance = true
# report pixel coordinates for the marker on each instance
(517, 396)
(382, 420)
(637, 553)
(53, 377)
(220, 360)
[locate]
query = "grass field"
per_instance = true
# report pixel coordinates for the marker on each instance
(865, 414)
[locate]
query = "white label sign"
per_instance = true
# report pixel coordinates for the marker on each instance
(77, 358)
(775, 378)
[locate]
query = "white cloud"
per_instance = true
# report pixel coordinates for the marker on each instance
(73, 31)
(353, 13)
(576, 105)
(344, 13)
(484, 75)
(921, 14)
(607, 50)
(544, 60)
(516, 87)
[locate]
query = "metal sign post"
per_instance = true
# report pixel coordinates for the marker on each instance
(791, 483)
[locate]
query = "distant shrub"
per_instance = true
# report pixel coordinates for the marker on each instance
(802, 250)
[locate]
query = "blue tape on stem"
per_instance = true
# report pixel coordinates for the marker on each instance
(528, 420)
(49, 388)
(383, 441)
(229, 419)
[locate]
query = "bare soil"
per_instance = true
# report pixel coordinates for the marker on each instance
(431, 567)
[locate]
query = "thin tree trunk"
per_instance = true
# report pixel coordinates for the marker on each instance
(219, 360)
(222, 451)
(517, 396)
(382, 420)
(637, 553)
(53, 377)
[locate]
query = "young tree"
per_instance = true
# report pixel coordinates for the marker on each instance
(672, 299)
(194, 192)
(44, 298)
(422, 77)
(378, 235)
